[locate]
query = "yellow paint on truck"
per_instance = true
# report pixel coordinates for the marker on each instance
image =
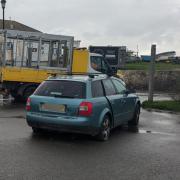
(80, 61)
(29, 75)
(33, 75)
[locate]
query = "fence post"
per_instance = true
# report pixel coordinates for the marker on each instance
(152, 72)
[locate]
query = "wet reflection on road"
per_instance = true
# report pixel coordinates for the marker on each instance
(143, 131)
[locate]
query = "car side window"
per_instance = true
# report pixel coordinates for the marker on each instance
(119, 86)
(109, 87)
(97, 89)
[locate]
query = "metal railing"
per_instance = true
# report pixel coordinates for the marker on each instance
(35, 50)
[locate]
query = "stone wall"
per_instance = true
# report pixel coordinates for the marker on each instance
(166, 81)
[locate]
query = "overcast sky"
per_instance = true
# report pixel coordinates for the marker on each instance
(105, 22)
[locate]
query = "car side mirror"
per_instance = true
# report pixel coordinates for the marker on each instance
(126, 92)
(129, 91)
(132, 91)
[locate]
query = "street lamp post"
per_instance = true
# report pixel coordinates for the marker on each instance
(3, 3)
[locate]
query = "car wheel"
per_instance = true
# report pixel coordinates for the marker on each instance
(135, 120)
(105, 129)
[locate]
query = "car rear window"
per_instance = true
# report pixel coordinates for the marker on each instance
(62, 89)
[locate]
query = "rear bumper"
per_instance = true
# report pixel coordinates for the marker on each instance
(64, 124)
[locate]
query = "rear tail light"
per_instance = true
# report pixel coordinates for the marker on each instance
(85, 109)
(28, 104)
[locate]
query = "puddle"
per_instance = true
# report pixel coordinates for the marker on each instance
(142, 131)
(166, 115)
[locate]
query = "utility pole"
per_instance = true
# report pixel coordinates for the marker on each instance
(152, 72)
(3, 4)
(137, 51)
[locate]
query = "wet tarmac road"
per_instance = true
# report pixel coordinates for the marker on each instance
(153, 153)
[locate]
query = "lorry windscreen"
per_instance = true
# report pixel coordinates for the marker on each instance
(98, 64)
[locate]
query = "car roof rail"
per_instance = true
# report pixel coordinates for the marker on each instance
(91, 75)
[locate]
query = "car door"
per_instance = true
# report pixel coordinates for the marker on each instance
(120, 89)
(115, 100)
(130, 105)
(128, 99)
(98, 99)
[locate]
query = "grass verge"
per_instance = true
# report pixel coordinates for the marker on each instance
(145, 66)
(162, 105)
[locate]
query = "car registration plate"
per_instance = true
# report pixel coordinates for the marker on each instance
(53, 107)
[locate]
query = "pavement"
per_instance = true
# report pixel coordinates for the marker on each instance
(148, 153)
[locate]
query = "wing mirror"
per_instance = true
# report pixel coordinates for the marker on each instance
(129, 91)
(132, 91)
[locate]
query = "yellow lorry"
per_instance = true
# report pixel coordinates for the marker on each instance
(27, 58)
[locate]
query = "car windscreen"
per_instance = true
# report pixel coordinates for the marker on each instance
(62, 89)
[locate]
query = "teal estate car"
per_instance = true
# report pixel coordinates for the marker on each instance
(89, 104)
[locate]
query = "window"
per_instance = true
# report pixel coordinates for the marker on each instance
(96, 62)
(62, 89)
(119, 86)
(109, 87)
(105, 67)
(97, 89)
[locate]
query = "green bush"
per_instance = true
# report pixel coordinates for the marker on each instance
(162, 105)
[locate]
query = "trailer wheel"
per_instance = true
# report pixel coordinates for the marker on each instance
(28, 92)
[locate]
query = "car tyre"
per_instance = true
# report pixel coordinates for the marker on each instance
(134, 122)
(105, 129)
